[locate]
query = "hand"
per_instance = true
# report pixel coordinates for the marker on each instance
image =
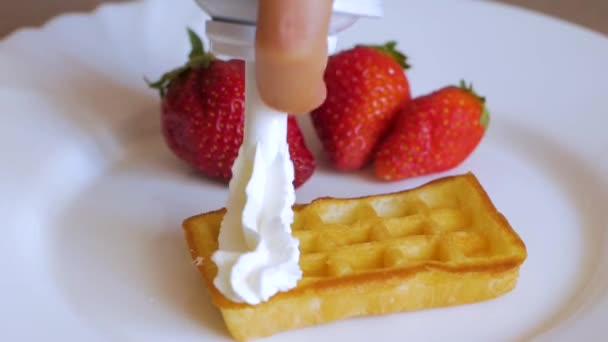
(291, 53)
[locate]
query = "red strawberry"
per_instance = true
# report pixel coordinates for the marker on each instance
(433, 133)
(303, 160)
(365, 87)
(202, 115)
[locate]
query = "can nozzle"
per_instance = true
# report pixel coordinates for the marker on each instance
(231, 31)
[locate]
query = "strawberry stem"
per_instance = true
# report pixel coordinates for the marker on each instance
(485, 115)
(197, 58)
(390, 48)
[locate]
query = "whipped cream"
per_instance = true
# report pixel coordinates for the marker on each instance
(257, 255)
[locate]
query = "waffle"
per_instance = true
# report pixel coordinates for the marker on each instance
(438, 245)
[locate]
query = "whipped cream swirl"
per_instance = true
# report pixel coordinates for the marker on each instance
(257, 255)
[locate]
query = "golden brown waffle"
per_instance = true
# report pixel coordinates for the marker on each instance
(441, 244)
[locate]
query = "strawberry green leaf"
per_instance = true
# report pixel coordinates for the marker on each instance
(390, 48)
(198, 58)
(485, 117)
(484, 120)
(469, 88)
(196, 43)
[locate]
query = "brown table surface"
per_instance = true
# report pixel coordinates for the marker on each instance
(592, 14)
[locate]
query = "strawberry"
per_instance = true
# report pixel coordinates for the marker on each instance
(365, 87)
(303, 161)
(433, 133)
(202, 115)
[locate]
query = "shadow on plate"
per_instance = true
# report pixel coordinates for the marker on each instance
(586, 193)
(127, 267)
(119, 254)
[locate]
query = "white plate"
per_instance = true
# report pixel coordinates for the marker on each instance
(92, 201)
